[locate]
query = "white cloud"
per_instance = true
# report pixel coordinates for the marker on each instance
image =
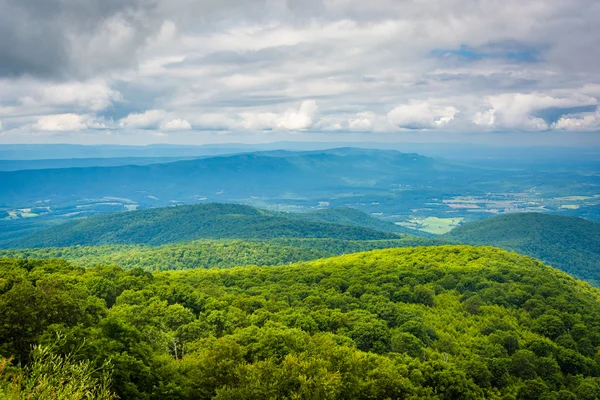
(155, 119)
(147, 119)
(582, 122)
(92, 96)
(362, 122)
(296, 120)
(290, 119)
(368, 121)
(485, 118)
(421, 115)
(515, 110)
(217, 121)
(176, 125)
(64, 123)
(258, 121)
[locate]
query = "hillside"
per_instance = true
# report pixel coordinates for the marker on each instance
(19, 165)
(72, 151)
(402, 187)
(208, 253)
(236, 176)
(568, 243)
(353, 217)
(591, 213)
(184, 223)
(451, 322)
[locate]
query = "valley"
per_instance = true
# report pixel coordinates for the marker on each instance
(341, 273)
(299, 200)
(401, 188)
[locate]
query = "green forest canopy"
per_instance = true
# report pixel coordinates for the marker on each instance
(568, 243)
(184, 223)
(208, 253)
(448, 322)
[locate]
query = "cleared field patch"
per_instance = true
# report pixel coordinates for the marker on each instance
(435, 225)
(569, 207)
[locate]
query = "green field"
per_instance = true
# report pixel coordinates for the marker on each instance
(435, 225)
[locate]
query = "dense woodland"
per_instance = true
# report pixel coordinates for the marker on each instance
(184, 223)
(567, 243)
(352, 217)
(448, 322)
(213, 253)
(168, 238)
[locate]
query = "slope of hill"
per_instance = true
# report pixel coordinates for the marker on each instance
(451, 322)
(236, 176)
(353, 217)
(568, 243)
(591, 213)
(71, 151)
(208, 253)
(184, 223)
(19, 165)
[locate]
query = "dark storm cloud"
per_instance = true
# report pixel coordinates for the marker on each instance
(38, 37)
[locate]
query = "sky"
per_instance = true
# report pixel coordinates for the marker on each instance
(199, 71)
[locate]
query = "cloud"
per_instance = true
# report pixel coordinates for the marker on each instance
(301, 119)
(368, 121)
(517, 110)
(362, 122)
(145, 120)
(248, 67)
(176, 125)
(154, 119)
(92, 95)
(582, 122)
(485, 118)
(65, 123)
(63, 38)
(421, 115)
(291, 119)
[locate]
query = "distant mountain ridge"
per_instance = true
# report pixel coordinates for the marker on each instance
(235, 176)
(184, 223)
(19, 165)
(569, 243)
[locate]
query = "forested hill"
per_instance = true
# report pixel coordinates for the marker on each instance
(211, 253)
(450, 322)
(353, 217)
(184, 223)
(568, 243)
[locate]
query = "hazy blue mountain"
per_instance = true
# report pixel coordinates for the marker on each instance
(66, 151)
(497, 155)
(399, 187)
(232, 176)
(17, 165)
(568, 243)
